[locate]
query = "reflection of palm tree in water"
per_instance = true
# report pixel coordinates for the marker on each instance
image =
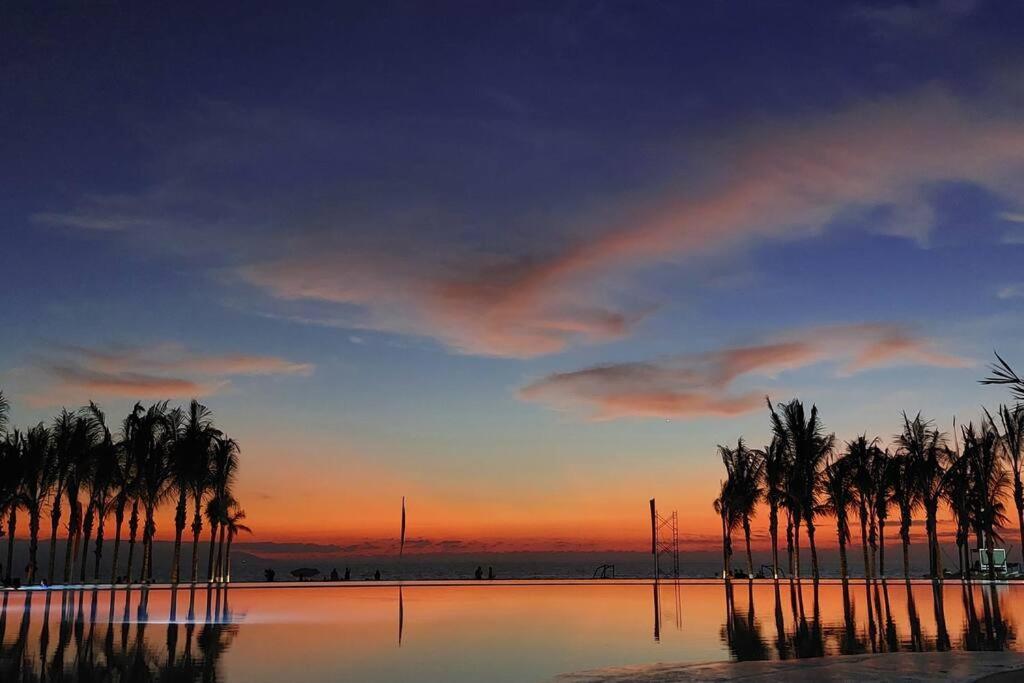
(741, 631)
(781, 642)
(995, 633)
(850, 643)
(891, 639)
(130, 658)
(807, 639)
(916, 637)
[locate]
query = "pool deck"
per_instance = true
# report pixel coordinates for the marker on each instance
(907, 667)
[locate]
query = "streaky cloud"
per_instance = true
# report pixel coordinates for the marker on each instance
(69, 373)
(700, 385)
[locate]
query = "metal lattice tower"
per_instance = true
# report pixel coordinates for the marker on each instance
(665, 543)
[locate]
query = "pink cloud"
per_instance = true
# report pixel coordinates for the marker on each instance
(73, 373)
(773, 180)
(698, 385)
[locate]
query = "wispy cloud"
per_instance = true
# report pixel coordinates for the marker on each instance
(927, 17)
(776, 180)
(76, 373)
(1014, 291)
(701, 384)
(569, 281)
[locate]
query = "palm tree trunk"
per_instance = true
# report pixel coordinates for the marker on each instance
(905, 538)
(12, 525)
(789, 540)
(746, 535)
(197, 527)
(54, 524)
(231, 537)
(34, 520)
(74, 534)
(133, 531)
(213, 548)
(872, 540)
(864, 541)
(814, 548)
(773, 532)
(934, 561)
(881, 548)
(965, 555)
(841, 528)
(220, 553)
(1018, 499)
(148, 531)
(990, 545)
(118, 523)
(90, 514)
(99, 547)
(796, 545)
(179, 528)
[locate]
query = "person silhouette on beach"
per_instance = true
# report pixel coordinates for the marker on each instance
(490, 573)
(348, 573)
(334, 575)
(479, 573)
(376, 575)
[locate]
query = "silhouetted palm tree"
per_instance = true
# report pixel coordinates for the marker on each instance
(745, 474)
(1012, 420)
(223, 469)
(70, 438)
(860, 455)
(125, 485)
(990, 484)
(906, 494)
(730, 520)
(926, 445)
(234, 525)
(808, 448)
(76, 463)
(775, 469)
(156, 430)
(839, 499)
(958, 494)
(1003, 374)
(190, 474)
(883, 472)
(102, 486)
(5, 410)
(35, 488)
(11, 465)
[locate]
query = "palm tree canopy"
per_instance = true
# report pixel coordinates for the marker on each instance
(1003, 374)
(802, 436)
(838, 493)
(745, 476)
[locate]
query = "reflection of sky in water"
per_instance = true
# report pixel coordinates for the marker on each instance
(495, 632)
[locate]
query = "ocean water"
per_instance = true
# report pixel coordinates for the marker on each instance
(476, 631)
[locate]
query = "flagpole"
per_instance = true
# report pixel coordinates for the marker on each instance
(401, 541)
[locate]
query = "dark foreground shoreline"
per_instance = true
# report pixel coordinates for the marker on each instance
(906, 667)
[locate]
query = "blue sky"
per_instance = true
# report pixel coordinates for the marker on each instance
(510, 259)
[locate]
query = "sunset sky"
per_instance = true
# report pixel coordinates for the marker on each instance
(525, 267)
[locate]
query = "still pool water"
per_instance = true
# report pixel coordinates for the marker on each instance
(493, 631)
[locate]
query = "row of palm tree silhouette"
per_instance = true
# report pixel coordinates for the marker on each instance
(803, 475)
(76, 464)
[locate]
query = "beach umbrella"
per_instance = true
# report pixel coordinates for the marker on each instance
(303, 573)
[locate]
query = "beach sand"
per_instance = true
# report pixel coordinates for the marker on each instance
(908, 667)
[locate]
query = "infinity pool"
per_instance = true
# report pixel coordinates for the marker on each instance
(493, 631)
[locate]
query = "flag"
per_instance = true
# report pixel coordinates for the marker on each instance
(401, 543)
